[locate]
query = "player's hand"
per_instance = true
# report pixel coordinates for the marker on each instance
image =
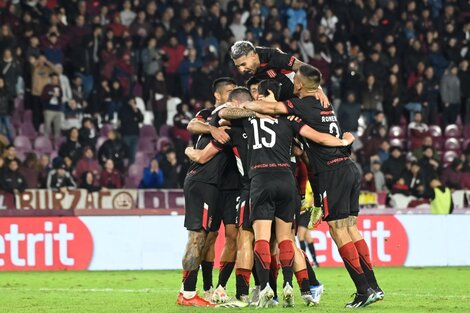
(349, 137)
(219, 134)
(320, 96)
(270, 97)
(260, 116)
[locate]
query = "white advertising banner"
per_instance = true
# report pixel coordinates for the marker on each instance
(157, 242)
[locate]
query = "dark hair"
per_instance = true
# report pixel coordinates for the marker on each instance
(269, 84)
(241, 94)
(252, 81)
(222, 81)
(311, 73)
(241, 48)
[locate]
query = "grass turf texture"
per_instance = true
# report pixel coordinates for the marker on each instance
(406, 290)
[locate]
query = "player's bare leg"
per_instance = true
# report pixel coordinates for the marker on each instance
(227, 263)
(207, 264)
(191, 261)
(286, 258)
(364, 257)
(262, 258)
(340, 234)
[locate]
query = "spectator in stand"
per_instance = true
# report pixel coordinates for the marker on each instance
(464, 77)
(116, 95)
(189, 65)
(11, 180)
(452, 175)
(415, 180)
(30, 170)
(10, 154)
(10, 71)
(152, 177)
(417, 130)
(78, 93)
(384, 151)
(441, 198)
(181, 121)
(64, 84)
(237, 27)
(53, 106)
(379, 177)
(87, 163)
(59, 179)
(349, 113)
(371, 96)
(151, 63)
(431, 91)
(429, 165)
(171, 169)
(6, 110)
(113, 149)
(110, 177)
(158, 99)
(41, 70)
(374, 128)
(88, 134)
(175, 53)
(127, 15)
(88, 183)
(450, 96)
(394, 167)
(73, 115)
(130, 118)
(368, 182)
(52, 48)
(393, 100)
(44, 167)
(400, 187)
(72, 147)
(427, 142)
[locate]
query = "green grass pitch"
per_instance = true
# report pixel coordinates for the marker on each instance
(444, 289)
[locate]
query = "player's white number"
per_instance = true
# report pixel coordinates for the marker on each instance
(263, 141)
(334, 129)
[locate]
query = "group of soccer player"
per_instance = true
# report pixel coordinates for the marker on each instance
(242, 174)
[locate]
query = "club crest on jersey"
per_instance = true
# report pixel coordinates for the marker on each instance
(271, 73)
(291, 61)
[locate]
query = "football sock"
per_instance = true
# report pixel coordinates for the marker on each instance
(302, 280)
(286, 257)
(366, 264)
(311, 248)
(226, 269)
(262, 261)
(242, 282)
(351, 261)
(273, 273)
(255, 275)
(312, 277)
(190, 280)
(207, 267)
(302, 245)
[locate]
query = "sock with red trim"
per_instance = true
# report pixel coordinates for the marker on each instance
(366, 264)
(302, 280)
(255, 275)
(226, 269)
(242, 282)
(273, 273)
(351, 261)
(262, 261)
(286, 257)
(312, 277)
(190, 280)
(207, 267)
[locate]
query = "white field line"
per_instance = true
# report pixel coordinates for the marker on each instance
(169, 290)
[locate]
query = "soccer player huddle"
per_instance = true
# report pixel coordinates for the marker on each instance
(243, 174)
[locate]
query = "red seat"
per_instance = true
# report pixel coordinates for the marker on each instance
(23, 144)
(27, 130)
(162, 141)
(452, 131)
(141, 158)
(395, 142)
(396, 132)
(146, 146)
(28, 117)
(43, 145)
(452, 144)
(148, 131)
(449, 156)
(135, 170)
(435, 131)
(466, 132)
(165, 130)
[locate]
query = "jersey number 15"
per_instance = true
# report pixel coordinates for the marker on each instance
(267, 141)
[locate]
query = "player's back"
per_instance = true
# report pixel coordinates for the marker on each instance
(322, 158)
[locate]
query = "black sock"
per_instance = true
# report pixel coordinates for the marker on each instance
(302, 245)
(207, 267)
(312, 277)
(255, 275)
(273, 273)
(243, 282)
(226, 269)
(311, 248)
(190, 280)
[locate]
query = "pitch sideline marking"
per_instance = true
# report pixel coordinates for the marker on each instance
(165, 290)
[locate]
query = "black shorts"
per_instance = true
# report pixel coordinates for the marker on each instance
(200, 205)
(243, 209)
(304, 218)
(339, 192)
(226, 210)
(273, 195)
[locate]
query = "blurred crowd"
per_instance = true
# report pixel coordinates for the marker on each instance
(78, 66)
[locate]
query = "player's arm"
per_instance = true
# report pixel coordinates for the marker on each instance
(232, 113)
(198, 127)
(202, 156)
(266, 107)
(326, 139)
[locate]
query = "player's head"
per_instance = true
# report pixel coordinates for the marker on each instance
(307, 79)
(244, 55)
(269, 85)
(252, 85)
(239, 95)
(221, 87)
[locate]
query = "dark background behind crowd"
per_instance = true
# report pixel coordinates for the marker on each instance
(97, 94)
